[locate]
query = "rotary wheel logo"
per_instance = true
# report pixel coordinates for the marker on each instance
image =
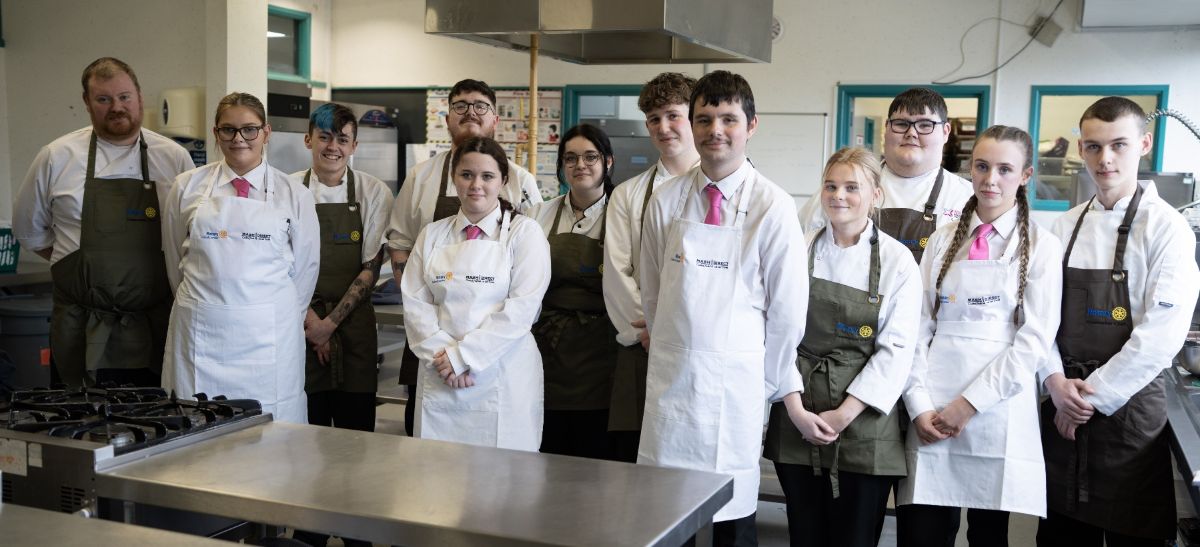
(1119, 313)
(355, 236)
(223, 234)
(449, 276)
(151, 213)
(865, 331)
(924, 241)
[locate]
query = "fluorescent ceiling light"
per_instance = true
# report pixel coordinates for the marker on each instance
(273, 34)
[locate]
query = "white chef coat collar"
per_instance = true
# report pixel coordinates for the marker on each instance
(490, 224)
(316, 180)
(593, 210)
(863, 239)
(661, 171)
(729, 184)
(1002, 227)
(256, 177)
(1122, 204)
(101, 142)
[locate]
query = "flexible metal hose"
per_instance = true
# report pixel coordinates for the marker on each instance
(1171, 112)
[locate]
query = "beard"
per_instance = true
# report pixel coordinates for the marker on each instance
(119, 126)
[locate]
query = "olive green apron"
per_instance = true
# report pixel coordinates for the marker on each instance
(112, 300)
(353, 358)
(913, 228)
(839, 339)
(628, 402)
(576, 339)
(1116, 475)
(444, 207)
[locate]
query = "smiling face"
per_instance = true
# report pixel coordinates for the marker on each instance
(580, 175)
(471, 123)
(115, 106)
(998, 172)
(331, 151)
(721, 132)
(670, 130)
(910, 154)
(477, 179)
(847, 195)
(242, 155)
(1113, 150)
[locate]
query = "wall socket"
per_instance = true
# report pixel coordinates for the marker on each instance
(1045, 30)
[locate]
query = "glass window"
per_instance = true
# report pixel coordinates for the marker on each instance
(282, 45)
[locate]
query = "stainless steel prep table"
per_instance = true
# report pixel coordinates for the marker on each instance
(392, 489)
(21, 525)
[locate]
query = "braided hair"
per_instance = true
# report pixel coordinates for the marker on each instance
(997, 133)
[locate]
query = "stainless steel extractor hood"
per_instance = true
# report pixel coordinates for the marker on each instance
(614, 31)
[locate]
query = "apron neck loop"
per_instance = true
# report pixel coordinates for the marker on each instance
(562, 206)
(1118, 268)
(142, 152)
(873, 279)
(931, 202)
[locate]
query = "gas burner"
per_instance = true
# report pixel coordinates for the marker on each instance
(119, 437)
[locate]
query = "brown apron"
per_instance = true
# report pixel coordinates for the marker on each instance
(353, 358)
(576, 339)
(628, 403)
(913, 228)
(112, 300)
(445, 207)
(838, 341)
(1117, 474)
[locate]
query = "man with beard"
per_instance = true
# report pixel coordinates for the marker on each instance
(428, 195)
(90, 205)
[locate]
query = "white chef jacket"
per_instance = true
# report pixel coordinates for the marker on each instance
(374, 199)
(622, 247)
(1018, 366)
(415, 203)
(882, 380)
(292, 197)
(590, 225)
(49, 207)
(774, 261)
(1163, 283)
(530, 277)
(906, 193)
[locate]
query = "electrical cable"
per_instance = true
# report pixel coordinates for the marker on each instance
(1032, 37)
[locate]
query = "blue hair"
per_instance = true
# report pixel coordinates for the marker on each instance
(332, 117)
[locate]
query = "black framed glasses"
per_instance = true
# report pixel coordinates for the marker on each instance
(924, 127)
(590, 158)
(481, 108)
(250, 132)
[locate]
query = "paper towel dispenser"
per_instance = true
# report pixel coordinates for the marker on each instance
(182, 113)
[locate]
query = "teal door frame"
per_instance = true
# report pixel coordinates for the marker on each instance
(847, 93)
(1035, 120)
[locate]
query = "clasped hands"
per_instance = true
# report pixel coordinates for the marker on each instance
(933, 426)
(1067, 396)
(441, 363)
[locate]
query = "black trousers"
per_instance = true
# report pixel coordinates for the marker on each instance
(815, 517)
(625, 445)
(937, 526)
(582, 433)
(342, 410)
(410, 410)
(1059, 529)
(741, 532)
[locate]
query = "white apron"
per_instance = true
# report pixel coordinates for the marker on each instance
(996, 462)
(236, 328)
(704, 387)
(469, 281)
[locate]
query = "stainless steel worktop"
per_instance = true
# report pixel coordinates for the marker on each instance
(398, 490)
(21, 525)
(389, 314)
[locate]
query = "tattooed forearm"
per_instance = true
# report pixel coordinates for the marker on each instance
(360, 288)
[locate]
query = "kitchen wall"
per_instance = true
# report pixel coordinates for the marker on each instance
(381, 43)
(5, 156)
(321, 39)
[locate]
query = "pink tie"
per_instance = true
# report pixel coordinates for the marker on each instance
(714, 205)
(473, 232)
(979, 249)
(243, 187)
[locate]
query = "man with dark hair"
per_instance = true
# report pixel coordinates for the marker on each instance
(1129, 287)
(919, 196)
(427, 194)
(90, 205)
(664, 101)
(723, 265)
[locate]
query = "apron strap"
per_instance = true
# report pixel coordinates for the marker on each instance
(445, 175)
(142, 151)
(307, 176)
(1075, 232)
(603, 220)
(351, 194)
(1118, 269)
(933, 195)
(873, 280)
(646, 197)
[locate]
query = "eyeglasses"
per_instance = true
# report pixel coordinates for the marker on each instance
(250, 132)
(591, 158)
(924, 127)
(481, 108)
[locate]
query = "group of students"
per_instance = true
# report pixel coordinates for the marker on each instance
(903, 324)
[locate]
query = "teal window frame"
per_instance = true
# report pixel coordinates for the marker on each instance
(847, 93)
(1035, 121)
(572, 93)
(303, 47)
